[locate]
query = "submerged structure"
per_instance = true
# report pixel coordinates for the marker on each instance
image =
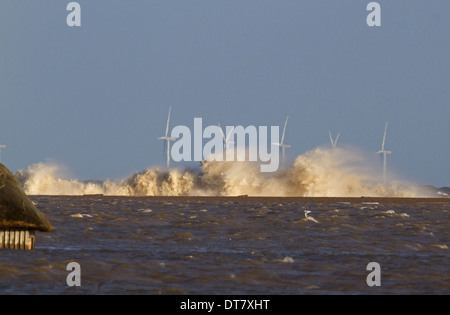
(19, 217)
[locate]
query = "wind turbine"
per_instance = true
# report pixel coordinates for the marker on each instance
(167, 139)
(334, 141)
(384, 153)
(283, 145)
(2, 146)
(226, 140)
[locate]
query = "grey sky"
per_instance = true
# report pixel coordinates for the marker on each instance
(95, 98)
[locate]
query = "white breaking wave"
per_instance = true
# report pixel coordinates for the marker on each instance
(317, 173)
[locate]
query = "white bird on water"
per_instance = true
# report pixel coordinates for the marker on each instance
(308, 218)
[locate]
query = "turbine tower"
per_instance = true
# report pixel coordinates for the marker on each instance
(2, 146)
(167, 139)
(283, 145)
(226, 139)
(384, 153)
(334, 141)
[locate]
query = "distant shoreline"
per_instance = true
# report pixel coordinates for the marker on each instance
(327, 200)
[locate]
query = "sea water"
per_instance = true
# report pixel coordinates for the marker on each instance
(131, 245)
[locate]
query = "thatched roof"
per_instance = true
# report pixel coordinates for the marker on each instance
(17, 211)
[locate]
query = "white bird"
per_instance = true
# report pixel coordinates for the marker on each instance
(281, 144)
(167, 139)
(308, 218)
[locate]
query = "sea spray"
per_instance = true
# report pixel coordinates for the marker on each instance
(49, 179)
(154, 182)
(317, 173)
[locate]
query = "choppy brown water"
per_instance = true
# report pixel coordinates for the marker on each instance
(131, 245)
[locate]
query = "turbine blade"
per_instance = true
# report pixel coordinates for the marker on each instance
(335, 141)
(168, 120)
(229, 134)
(331, 139)
(221, 131)
(284, 130)
(384, 137)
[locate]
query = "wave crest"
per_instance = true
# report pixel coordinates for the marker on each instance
(317, 173)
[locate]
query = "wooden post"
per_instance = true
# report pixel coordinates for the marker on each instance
(32, 239)
(17, 240)
(6, 238)
(11, 239)
(22, 240)
(2, 239)
(27, 240)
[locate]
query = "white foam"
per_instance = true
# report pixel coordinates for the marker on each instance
(80, 216)
(287, 260)
(317, 173)
(145, 210)
(441, 246)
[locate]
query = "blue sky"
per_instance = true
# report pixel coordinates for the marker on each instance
(95, 98)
